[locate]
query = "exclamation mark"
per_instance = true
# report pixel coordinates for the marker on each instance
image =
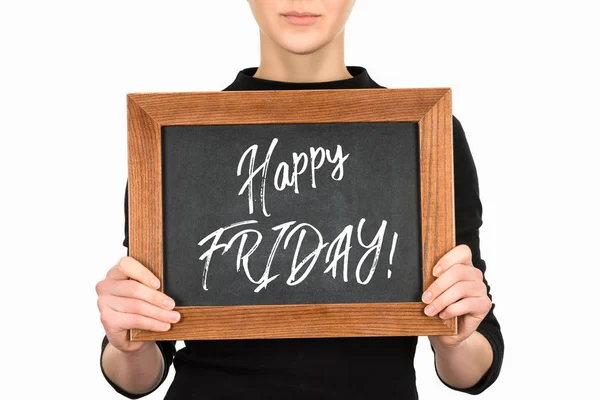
(395, 238)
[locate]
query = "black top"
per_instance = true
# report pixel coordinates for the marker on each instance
(329, 368)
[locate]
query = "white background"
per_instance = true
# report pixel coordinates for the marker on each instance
(524, 76)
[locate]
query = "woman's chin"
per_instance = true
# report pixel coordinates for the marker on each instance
(297, 46)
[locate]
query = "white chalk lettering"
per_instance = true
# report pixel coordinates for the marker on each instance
(214, 246)
(252, 172)
(286, 176)
(338, 250)
(342, 238)
(289, 175)
(338, 159)
(313, 254)
(374, 245)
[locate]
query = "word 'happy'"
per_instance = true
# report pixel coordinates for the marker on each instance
(286, 175)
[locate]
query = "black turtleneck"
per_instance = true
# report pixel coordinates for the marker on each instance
(246, 81)
(332, 368)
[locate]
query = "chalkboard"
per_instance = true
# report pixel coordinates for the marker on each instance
(281, 214)
(347, 190)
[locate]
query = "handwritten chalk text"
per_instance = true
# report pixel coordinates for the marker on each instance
(287, 175)
(338, 250)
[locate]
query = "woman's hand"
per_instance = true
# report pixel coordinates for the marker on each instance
(459, 290)
(128, 299)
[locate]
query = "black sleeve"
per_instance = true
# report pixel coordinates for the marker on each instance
(468, 216)
(167, 347)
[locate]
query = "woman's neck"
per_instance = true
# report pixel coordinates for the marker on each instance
(322, 65)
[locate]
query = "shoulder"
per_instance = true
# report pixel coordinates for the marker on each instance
(466, 181)
(458, 131)
(463, 157)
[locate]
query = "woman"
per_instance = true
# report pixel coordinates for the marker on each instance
(302, 47)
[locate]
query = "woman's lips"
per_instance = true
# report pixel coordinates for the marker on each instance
(298, 19)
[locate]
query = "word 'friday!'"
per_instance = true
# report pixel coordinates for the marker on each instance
(340, 248)
(283, 177)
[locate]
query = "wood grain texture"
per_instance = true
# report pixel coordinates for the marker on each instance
(288, 106)
(145, 189)
(429, 107)
(437, 188)
(300, 321)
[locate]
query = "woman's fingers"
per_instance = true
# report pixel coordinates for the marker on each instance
(458, 291)
(471, 305)
(460, 254)
(136, 290)
(118, 321)
(128, 299)
(128, 267)
(143, 308)
(457, 273)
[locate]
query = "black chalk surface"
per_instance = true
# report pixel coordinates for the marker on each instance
(254, 216)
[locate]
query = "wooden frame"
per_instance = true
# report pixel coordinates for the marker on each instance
(429, 107)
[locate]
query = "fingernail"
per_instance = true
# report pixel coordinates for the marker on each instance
(427, 296)
(429, 309)
(168, 303)
(437, 271)
(174, 316)
(155, 283)
(443, 315)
